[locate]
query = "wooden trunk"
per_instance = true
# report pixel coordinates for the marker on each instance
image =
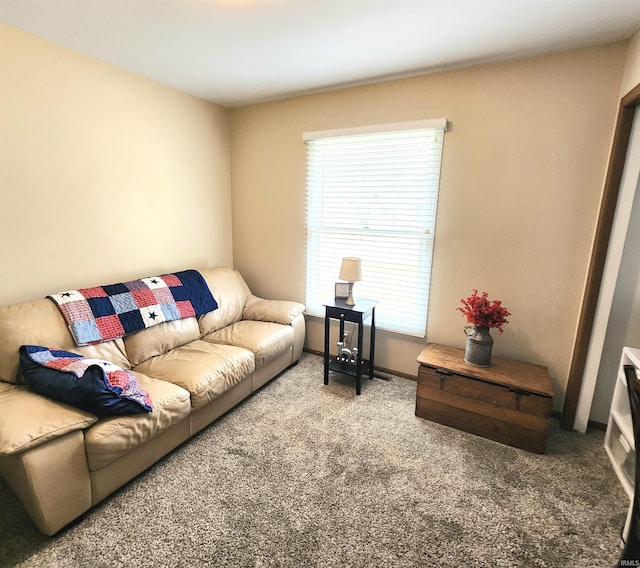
(509, 402)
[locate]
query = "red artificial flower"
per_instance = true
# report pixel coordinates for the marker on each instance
(482, 312)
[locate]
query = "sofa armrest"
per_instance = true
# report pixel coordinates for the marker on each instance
(28, 419)
(276, 311)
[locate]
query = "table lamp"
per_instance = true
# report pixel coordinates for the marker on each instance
(351, 271)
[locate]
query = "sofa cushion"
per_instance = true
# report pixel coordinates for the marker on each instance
(28, 419)
(112, 437)
(160, 339)
(266, 340)
(204, 369)
(93, 385)
(231, 292)
(40, 323)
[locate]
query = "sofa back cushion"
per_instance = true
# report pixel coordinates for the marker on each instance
(40, 323)
(160, 339)
(230, 291)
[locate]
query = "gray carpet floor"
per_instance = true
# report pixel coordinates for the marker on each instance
(303, 474)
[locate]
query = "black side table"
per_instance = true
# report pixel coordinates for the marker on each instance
(359, 313)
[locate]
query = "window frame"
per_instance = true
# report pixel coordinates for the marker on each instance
(322, 272)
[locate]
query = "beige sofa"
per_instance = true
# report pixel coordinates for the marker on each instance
(60, 460)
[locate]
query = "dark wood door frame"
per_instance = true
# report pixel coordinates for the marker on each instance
(598, 254)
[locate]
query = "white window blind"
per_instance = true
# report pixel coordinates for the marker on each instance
(374, 196)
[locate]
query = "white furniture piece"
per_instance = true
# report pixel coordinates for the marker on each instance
(619, 439)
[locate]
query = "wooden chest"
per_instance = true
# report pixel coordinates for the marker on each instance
(509, 402)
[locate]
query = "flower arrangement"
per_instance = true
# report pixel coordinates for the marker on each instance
(482, 312)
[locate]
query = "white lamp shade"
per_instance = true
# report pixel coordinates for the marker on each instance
(351, 269)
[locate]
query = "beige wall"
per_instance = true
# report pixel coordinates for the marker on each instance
(104, 175)
(632, 66)
(522, 174)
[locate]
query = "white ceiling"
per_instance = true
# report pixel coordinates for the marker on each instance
(236, 52)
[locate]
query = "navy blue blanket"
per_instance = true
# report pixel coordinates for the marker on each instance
(91, 384)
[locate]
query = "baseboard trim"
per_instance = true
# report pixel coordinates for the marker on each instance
(597, 425)
(591, 424)
(375, 367)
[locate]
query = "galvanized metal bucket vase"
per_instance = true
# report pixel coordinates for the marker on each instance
(479, 346)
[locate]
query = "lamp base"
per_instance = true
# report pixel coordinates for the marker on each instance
(349, 301)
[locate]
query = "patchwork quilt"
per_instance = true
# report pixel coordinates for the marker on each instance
(102, 313)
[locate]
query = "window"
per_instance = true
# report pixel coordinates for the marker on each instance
(372, 193)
